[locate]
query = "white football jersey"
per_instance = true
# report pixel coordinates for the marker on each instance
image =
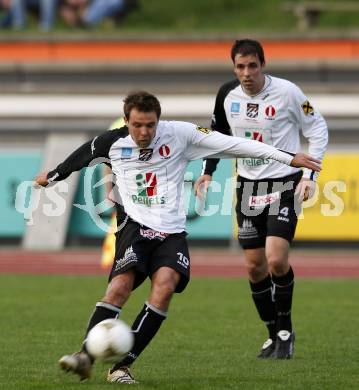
(151, 180)
(275, 116)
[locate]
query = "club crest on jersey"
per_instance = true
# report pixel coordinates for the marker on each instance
(235, 107)
(126, 153)
(203, 130)
(270, 112)
(164, 151)
(307, 108)
(145, 154)
(252, 110)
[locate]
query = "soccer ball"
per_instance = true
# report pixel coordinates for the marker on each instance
(109, 340)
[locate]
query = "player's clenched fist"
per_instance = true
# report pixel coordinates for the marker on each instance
(41, 179)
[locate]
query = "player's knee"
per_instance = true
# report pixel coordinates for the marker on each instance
(256, 271)
(255, 274)
(115, 297)
(277, 265)
(165, 289)
(162, 292)
(164, 283)
(118, 291)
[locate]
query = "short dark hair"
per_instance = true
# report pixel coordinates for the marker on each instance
(142, 101)
(247, 47)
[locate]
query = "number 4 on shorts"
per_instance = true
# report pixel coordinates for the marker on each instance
(284, 211)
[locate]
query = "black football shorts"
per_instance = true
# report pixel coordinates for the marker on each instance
(147, 250)
(266, 208)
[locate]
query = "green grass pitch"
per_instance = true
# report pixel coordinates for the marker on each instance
(209, 341)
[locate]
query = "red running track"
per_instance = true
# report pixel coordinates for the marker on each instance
(204, 263)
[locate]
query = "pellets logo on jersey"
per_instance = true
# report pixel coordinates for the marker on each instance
(307, 108)
(146, 184)
(203, 129)
(164, 151)
(254, 135)
(270, 112)
(252, 110)
(145, 154)
(147, 190)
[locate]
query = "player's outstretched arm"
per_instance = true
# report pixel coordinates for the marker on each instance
(216, 145)
(302, 160)
(81, 157)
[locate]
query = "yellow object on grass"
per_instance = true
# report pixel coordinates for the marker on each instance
(109, 245)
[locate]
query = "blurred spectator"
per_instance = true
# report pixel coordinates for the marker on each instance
(89, 13)
(100, 9)
(6, 19)
(71, 11)
(46, 9)
(75, 13)
(130, 5)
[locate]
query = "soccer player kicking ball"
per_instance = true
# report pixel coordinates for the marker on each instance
(148, 158)
(273, 111)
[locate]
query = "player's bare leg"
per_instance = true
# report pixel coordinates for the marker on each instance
(261, 287)
(119, 289)
(148, 322)
(117, 293)
(277, 253)
(256, 264)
